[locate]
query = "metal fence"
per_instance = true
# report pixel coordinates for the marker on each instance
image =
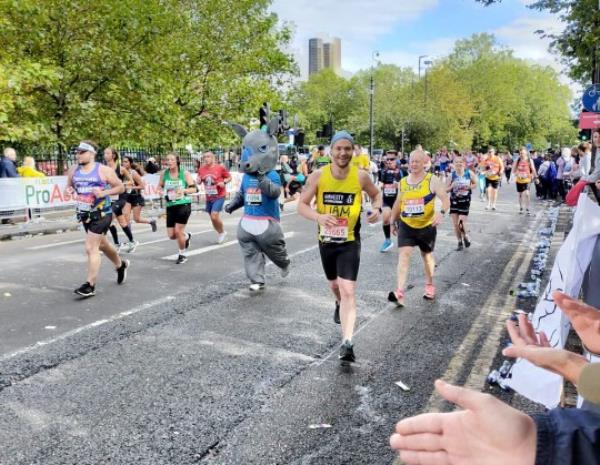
(48, 161)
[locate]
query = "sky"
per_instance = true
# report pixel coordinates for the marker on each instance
(401, 30)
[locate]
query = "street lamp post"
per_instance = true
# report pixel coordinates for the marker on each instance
(420, 58)
(426, 63)
(371, 93)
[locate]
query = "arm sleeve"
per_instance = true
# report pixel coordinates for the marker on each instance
(270, 185)
(568, 437)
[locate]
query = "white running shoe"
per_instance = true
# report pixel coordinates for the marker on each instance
(256, 287)
(221, 237)
(131, 246)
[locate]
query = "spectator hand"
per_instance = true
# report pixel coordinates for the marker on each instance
(487, 432)
(584, 318)
(536, 349)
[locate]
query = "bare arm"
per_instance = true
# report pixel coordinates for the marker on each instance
(308, 194)
(138, 182)
(366, 183)
(116, 185)
(437, 187)
(191, 184)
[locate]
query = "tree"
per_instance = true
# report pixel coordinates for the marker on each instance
(578, 44)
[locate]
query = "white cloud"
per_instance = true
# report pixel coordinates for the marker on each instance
(359, 23)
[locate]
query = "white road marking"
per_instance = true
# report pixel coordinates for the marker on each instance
(118, 316)
(210, 248)
(55, 244)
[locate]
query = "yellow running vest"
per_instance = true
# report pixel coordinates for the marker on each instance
(417, 203)
(341, 198)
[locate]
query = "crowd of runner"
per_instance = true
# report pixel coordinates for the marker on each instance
(334, 186)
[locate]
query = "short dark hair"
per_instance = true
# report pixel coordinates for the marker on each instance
(321, 147)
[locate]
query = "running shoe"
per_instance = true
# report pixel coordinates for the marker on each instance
(221, 237)
(122, 271)
(131, 246)
(153, 225)
(397, 297)
(528, 212)
(387, 245)
(188, 240)
(285, 272)
(429, 292)
(181, 259)
(488, 207)
(467, 242)
(494, 207)
(336, 313)
(460, 246)
(120, 246)
(520, 211)
(347, 352)
(256, 287)
(85, 290)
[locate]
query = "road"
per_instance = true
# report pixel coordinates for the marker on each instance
(182, 365)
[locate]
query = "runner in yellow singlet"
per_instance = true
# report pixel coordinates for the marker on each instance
(524, 173)
(493, 170)
(338, 188)
(415, 207)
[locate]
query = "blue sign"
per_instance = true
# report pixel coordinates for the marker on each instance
(591, 98)
(529, 146)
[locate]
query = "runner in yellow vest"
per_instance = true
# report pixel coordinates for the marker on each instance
(415, 207)
(338, 188)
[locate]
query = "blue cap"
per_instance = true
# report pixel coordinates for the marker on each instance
(342, 135)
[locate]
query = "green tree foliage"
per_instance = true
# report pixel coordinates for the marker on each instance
(480, 94)
(579, 43)
(147, 71)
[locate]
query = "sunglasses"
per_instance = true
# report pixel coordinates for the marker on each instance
(390, 159)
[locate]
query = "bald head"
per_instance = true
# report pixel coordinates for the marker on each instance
(10, 153)
(416, 161)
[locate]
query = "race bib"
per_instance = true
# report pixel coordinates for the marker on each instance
(211, 189)
(522, 175)
(253, 196)
(338, 233)
(390, 190)
(171, 195)
(414, 207)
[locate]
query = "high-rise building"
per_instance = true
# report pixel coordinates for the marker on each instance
(332, 55)
(324, 55)
(315, 56)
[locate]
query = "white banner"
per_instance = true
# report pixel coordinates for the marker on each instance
(49, 192)
(572, 260)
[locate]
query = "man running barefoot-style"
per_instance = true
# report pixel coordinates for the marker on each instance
(338, 188)
(415, 207)
(92, 185)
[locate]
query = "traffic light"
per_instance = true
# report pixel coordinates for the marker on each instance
(585, 134)
(263, 114)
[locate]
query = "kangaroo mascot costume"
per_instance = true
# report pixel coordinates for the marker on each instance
(259, 232)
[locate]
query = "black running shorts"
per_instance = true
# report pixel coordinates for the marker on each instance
(388, 201)
(136, 200)
(494, 183)
(460, 206)
(118, 205)
(424, 238)
(340, 260)
(522, 186)
(99, 226)
(178, 214)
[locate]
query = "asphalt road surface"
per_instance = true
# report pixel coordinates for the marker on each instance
(181, 365)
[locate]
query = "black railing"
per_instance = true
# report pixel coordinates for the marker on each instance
(48, 161)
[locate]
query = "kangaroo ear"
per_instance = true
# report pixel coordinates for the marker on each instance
(238, 129)
(273, 126)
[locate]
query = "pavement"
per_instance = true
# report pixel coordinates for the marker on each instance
(182, 365)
